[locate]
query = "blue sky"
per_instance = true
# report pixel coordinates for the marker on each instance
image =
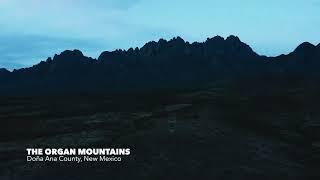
(32, 30)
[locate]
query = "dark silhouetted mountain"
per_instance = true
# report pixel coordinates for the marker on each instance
(4, 71)
(164, 64)
(4, 74)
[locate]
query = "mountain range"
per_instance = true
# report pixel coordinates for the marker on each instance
(166, 64)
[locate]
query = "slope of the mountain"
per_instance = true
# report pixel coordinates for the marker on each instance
(163, 64)
(4, 71)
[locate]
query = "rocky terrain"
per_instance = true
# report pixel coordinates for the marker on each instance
(205, 133)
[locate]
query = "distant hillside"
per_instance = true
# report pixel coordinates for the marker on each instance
(166, 64)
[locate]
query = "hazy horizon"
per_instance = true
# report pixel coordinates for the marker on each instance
(33, 30)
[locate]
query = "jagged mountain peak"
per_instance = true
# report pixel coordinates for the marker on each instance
(215, 38)
(158, 64)
(305, 46)
(224, 48)
(177, 39)
(74, 52)
(236, 46)
(69, 55)
(106, 55)
(233, 38)
(178, 44)
(162, 41)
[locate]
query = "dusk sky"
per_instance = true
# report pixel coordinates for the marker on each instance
(32, 30)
